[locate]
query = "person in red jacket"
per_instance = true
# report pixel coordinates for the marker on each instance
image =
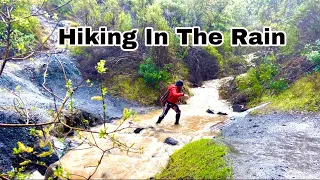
(173, 98)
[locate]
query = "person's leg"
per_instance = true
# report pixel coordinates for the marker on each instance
(178, 113)
(166, 108)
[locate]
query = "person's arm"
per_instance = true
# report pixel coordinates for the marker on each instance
(176, 94)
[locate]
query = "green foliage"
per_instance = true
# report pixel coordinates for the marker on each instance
(22, 148)
(46, 153)
(59, 173)
(101, 67)
(18, 174)
(279, 85)
(23, 29)
(69, 88)
(22, 42)
(133, 88)
(292, 40)
(313, 54)
(261, 79)
(304, 94)
(103, 133)
(124, 22)
(153, 75)
(77, 50)
(97, 98)
(202, 159)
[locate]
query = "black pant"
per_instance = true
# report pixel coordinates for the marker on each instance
(167, 107)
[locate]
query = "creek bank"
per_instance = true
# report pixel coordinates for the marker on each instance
(273, 146)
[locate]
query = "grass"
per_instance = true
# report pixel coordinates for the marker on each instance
(202, 159)
(133, 89)
(303, 95)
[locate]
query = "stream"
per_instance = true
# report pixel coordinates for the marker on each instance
(195, 123)
(266, 146)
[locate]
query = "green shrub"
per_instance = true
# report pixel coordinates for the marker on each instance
(261, 80)
(153, 75)
(313, 54)
(132, 88)
(202, 159)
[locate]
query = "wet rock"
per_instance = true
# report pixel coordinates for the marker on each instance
(239, 108)
(138, 130)
(63, 146)
(171, 141)
(209, 111)
(76, 118)
(222, 113)
(195, 85)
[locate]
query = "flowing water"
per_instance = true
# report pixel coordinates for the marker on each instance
(195, 123)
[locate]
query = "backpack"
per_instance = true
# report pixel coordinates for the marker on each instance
(164, 98)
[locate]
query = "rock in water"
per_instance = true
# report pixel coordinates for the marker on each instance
(138, 130)
(239, 108)
(210, 111)
(222, 113)
(171, 141)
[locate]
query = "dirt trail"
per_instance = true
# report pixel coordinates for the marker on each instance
(195, 123)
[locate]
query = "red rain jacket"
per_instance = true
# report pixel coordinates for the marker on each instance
(174, 96)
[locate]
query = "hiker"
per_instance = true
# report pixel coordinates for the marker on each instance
(170, 99)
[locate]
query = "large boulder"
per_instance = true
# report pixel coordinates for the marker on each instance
(202, 66)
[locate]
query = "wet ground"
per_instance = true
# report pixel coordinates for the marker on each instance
(274, 146)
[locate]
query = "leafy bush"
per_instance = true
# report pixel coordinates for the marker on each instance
(279, 85)
(202, 159)
(21, 42)
(314, 55)
(153, 75)
(262, 79)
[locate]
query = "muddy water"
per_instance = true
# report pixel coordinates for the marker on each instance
(195, 123)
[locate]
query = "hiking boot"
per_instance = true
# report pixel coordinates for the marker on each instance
(177, 119)
(159, 120)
